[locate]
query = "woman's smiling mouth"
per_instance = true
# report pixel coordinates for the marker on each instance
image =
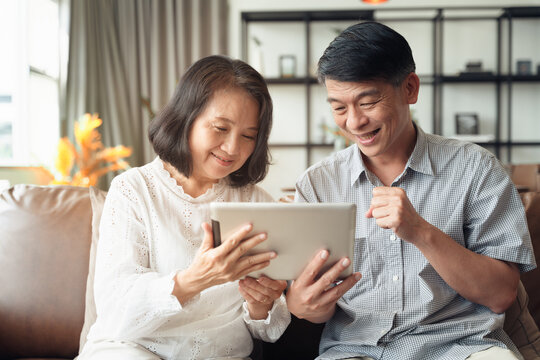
(223, 160)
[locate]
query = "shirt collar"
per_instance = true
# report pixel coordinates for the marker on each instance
(419, 160)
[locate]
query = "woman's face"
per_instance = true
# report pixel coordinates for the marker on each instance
(224, 135)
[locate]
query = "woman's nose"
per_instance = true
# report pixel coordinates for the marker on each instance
(231, 145)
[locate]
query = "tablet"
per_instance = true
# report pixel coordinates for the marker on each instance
(296, 232)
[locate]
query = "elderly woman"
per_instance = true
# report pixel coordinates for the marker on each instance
(162, 290)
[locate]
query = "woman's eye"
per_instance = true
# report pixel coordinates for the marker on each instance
(249, 137)
(221, 129)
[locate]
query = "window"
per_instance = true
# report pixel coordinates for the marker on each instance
(30, 36)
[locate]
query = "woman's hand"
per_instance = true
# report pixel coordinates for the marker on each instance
(214, 266)
(260, 294)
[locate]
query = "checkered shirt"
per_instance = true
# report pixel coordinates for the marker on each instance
(401, 308)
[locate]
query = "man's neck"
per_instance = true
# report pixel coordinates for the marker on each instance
(387, 167)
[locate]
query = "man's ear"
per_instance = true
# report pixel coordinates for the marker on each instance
(411, 86)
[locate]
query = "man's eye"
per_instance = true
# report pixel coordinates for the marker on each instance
(368, 104)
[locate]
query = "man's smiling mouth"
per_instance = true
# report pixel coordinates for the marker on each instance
(369, 135)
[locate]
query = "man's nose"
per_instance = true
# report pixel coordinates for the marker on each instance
(356, 118)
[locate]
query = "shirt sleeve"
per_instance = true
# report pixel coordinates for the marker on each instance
(495, 222)
(132, 300)
(271, 328)
(305, 191)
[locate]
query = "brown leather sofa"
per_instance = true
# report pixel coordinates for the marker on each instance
(45, 241)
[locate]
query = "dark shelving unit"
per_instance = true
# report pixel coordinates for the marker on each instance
(437, 79)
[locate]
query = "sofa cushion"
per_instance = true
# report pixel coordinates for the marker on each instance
(521, 328)
(97, 199)
(44, 249)
(531, 279)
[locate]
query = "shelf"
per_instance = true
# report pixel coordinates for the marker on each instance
(484, 139)
(312, 145)
(473, 77)
(292, 80)
(424, 79)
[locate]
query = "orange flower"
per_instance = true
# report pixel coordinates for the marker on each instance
(115, 153)
(92, 160)
(65, 158)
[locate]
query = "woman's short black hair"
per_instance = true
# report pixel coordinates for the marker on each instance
(169, 130)
(367, 51)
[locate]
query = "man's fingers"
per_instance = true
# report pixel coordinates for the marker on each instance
(330, 276)
(334, 293)
(312, 269)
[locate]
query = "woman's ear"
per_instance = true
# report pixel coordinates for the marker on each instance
(411, 86)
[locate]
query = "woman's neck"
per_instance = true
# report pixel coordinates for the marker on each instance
(191, 185)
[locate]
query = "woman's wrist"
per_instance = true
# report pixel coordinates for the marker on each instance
(185, 286)
(259, 312)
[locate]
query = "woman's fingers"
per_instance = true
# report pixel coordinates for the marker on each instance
(247, 244)
(233, 241)
(208, 238)
(263, 290)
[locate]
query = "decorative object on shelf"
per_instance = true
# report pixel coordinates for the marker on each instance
(287, 66)
(92, 160)
(474, 67)
(524, 67)
(374, 2)
(467, 124)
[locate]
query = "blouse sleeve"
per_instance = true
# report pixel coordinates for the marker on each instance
(271, 328)
(132, 300)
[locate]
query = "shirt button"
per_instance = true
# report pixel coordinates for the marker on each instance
(395, 277)
(393, 237)
(383, 332)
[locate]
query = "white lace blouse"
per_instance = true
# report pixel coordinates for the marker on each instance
(149, 230)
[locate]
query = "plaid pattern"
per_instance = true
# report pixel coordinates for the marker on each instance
(402, 309)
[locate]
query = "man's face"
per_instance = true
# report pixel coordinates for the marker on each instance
(374, 114)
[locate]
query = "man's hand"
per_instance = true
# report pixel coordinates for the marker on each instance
(392, 209)
(315, 299)
(478, 278)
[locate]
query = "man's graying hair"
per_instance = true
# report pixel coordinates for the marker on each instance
(367, 51)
